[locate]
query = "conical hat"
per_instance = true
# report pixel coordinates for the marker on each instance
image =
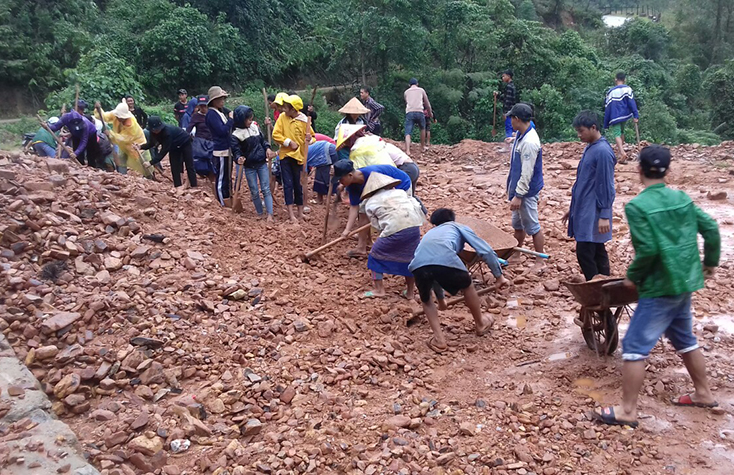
(376, 182)
(346, 131)
(354, 107)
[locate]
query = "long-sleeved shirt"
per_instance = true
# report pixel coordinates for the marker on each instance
(391, 211)
(664, 227)
(170, 137)
(369, 150)
(124, 136)
(81, 129)
(416, 100)
(441, 247)
(592, 196)
(355, 190)
(46, 137)
(526, 165)
(220, 127)
(289, 131)
(373, 116)
(509, 97)
(141, 117)
(620, 106)
(250, 144)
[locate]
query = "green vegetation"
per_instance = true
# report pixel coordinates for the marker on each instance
(563, 57)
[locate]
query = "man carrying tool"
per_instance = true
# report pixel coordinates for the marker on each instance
(664, 227)
(83, 136)
(525, 180)
(437, 262)
(125, 133)
(620, 107)
(354, 182)
(509, 99)
(175, 143)
(43, 141)
(592, 196)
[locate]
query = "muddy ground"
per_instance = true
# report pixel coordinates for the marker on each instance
(148, 347)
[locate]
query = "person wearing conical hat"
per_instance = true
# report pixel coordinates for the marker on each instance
(220, 125)
(353, 180)
(291, 134)
(127, 134)
(353, 114)
(398, 218)
(364, 150)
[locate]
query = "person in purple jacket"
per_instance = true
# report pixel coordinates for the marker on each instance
(83, 137)
(220, 125)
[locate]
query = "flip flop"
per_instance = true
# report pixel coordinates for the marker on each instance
(371, 295)
(686, 400)
(607, 417)
(434, 347)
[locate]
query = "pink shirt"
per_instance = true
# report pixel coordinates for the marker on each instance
(416, 100)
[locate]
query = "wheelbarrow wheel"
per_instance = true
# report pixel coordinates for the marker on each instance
(600, 330)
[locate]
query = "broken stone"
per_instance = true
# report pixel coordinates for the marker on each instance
(59, 321)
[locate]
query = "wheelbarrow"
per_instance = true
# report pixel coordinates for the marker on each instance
(602, 302)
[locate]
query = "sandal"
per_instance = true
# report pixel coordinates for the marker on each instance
(607, 417)
(686, 400)
(432, 345)
(371, 295)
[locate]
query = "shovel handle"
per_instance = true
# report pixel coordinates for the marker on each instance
(456, 300)
(335, 241)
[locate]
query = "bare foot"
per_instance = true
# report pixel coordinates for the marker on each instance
(538, 267)
(442, 304)
(487, 323)
(294, 220)
(269, 219)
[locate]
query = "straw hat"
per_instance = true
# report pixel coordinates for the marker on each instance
(280, 98)
(122, 111)
(376, 182)
(354, 107)
(346, 131)
(215, 92)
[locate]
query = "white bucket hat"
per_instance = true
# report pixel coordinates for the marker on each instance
(122, 111)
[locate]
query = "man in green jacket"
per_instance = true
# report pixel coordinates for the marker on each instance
(664, 227)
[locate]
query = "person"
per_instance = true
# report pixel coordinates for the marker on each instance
(589, 217)
(83, 136)
(179, 108)
(360, 148)
(416, 101)
(321, 155)
(197, 125)
(291, 134)
(664, 226)
(404, 163)
(437, 263)
(620, 106)
(174, 142)
(106, 150)
(353, 112)
(509, 99)
(372, 118)
(525, 179)
(353, 180)
(137, 112)
(125, 134)
(190, 109)
(429, 118)
(44, 142)
(220, 126)
(311, 112)
(275, 102)
(398, 218)
(251, 150)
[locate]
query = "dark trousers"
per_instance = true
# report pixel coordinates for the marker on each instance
(411, 169)
(178, 157)
(593, 259)
(224, 178)
(290, 172)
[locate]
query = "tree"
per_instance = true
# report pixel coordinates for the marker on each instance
(526, 11)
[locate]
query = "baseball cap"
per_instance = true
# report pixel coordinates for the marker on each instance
(202, 100)
(655, 158)
(182, 91)
(413, 81)
(522, 111)
(343, 167)
(155, 123)
(82, 104)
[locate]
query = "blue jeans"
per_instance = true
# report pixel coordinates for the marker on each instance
(526, 218)
(261, 173)
(412, 118)
(508, 127)
(655, 316)
(44, 150)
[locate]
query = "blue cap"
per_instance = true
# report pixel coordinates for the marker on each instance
(413, 81)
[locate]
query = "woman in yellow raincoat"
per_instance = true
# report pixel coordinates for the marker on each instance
(126, 134)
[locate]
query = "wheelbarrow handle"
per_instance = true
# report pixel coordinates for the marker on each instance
(532, 253)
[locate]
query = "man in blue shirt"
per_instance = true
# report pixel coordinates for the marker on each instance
(354, 181)
(436, 262)
(592, 196)
(620, 106)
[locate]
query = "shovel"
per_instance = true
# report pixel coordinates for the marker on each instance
(637, 133)
(328, 207)
(236, 200)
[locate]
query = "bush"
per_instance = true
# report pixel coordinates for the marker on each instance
(658, 125)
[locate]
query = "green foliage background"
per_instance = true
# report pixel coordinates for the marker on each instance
(563, 57)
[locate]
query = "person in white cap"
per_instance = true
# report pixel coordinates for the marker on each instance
(43, 142)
